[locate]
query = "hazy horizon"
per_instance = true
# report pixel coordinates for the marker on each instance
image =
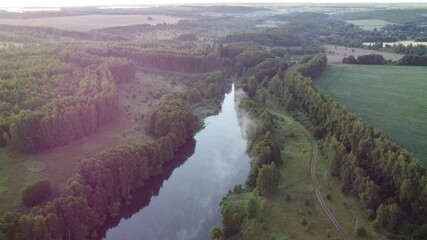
(69, 3)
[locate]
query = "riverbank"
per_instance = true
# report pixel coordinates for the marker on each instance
(195, 188)
(138, 99)
(291, 211)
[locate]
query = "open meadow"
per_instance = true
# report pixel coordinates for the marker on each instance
(393, 98)
(369, 24)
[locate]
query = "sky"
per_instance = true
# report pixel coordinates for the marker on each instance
(64, 3)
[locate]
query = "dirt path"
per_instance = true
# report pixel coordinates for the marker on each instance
(319, 197)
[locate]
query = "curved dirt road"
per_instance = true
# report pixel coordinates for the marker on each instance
(319, 197)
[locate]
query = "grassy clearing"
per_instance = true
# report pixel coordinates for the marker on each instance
(393, 98)
(137, 100)
(283, 213)
(369, 24)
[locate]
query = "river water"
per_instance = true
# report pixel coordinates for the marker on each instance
(184, 204)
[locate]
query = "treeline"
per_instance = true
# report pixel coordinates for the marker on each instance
(370, 59)
(300, 29)
(415, 55)
(213, 86)
(313, 67)
(390, 182)
(104, 182)
(48, 98)
(168, 55)
(247, 57)
(413, 60)
(28, 34)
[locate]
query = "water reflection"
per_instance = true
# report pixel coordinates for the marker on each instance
(142, 196)
(187, 205)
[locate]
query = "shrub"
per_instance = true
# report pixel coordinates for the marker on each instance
(361, 231)
(36, 193)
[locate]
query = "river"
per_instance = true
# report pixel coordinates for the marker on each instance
(184, 204)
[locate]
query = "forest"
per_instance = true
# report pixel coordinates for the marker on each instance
(60, 87)
(50, 98)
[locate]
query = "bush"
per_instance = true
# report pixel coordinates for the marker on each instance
(252, 207)
(216, 233)
(36, 193)
(361, 231)
(304, 222)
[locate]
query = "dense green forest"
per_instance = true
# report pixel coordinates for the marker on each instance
(174, 56)
(50, 97)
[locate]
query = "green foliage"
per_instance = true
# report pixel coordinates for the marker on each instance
(252, 86)
(101, 184)
(216, 234)
(314, 67)
(234, 49)
(361, 231)
(268, 178)
(52, 96)
(252, 207)
(230, 221)
(388, 216)
(36, 193)
(370, 59)
(174, 116)
(262, 96)
(168, 55)
(413, 60)
(372, 166)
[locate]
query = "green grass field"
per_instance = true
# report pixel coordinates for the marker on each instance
(369, 24)
(393, 98)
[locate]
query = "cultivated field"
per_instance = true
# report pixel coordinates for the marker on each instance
(369, 24)
(335, 53)
(90, 22)
(393, 98)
